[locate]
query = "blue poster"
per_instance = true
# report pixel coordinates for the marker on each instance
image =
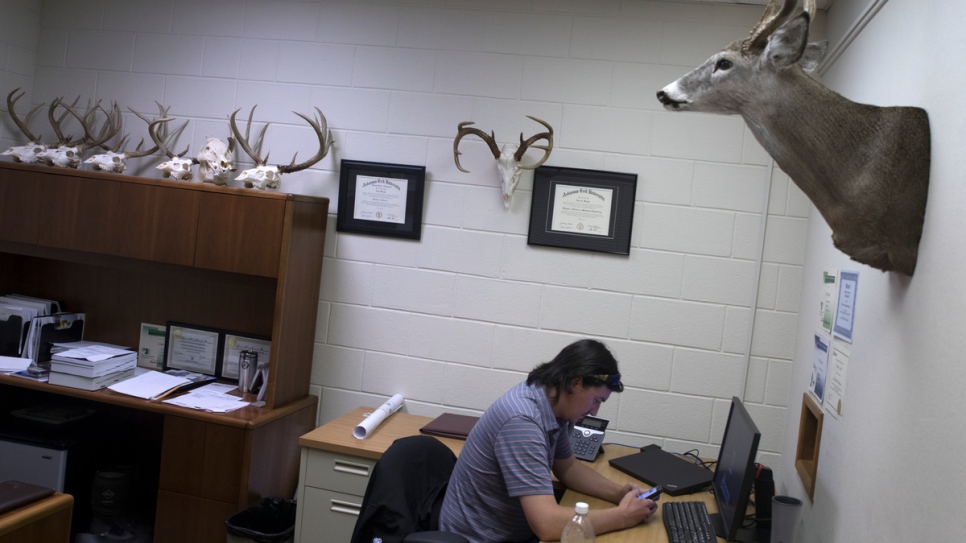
(845, 316)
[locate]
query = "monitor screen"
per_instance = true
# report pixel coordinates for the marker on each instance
(734, 474)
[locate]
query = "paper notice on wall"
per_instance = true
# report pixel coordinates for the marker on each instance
(838, 367)
(845, 306)
(826, 305)
(373, 421)
(819, 367)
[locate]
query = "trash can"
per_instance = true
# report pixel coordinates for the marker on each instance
(269, 520)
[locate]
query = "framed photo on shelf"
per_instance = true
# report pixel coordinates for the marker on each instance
(234, 344)
(192, 348)
(589, 210)
(381, 199)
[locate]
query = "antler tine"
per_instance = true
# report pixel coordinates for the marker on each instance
(22, 125)
(463, 130)
(524, 145)
(321, 127)
(770, 21)
(162, 143)
(810, 9)
(243, 141)
(162, 134)
(110, 128)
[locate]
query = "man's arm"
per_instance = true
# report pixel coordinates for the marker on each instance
(547, 519)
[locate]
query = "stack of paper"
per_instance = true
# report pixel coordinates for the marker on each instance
(91, 366)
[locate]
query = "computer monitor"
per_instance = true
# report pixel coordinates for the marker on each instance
(734, 475)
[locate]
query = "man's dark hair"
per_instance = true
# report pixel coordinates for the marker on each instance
(588, 359)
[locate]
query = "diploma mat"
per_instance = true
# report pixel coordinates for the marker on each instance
(655, 467)
(14, 494)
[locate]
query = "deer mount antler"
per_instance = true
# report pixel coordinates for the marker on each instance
(508, 159)
(29, 153)
(176, 166)
(67, 154)
(114, 156)
(263, 176)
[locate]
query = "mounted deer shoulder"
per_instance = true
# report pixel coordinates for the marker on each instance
(865, 168)
(508, 159)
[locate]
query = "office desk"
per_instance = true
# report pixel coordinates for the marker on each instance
(651, 531)
(46, 520)
(335, 470)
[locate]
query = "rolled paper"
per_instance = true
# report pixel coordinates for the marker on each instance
(375, 418)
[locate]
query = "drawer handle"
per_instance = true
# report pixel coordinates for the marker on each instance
(349, 508)
(350, 468)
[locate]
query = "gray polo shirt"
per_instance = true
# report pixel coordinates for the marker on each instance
(508, 454)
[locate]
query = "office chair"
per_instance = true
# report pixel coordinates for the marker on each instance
(405, 493)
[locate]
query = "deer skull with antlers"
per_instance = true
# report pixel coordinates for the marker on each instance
(865, 168)
(216, 161)
(113, 158)
(508, 158)
(32, 151)
(263, 176)
(176, 167)
(68, 154)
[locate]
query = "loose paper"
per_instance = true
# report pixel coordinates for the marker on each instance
(149, 384)
(845, 314)
(838, 367)
(819, 367)
(373, 421)
(826, 306)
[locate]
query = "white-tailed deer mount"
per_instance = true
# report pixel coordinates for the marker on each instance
(32, 151)
(865, 168)
(114, 158)
(263, 176)
(216, 161)
(508, 158)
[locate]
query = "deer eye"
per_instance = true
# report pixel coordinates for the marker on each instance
(723, 64)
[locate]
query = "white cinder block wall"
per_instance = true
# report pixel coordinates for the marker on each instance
(19, 39)
(455, 319)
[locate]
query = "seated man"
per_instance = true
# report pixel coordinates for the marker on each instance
(501, 491)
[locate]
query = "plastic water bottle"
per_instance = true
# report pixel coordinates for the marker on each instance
(579, 529)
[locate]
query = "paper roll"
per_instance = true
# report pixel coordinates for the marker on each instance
(373, 421)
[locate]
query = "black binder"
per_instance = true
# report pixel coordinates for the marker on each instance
(11, 336)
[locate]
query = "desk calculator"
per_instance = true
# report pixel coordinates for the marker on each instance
(587, 437)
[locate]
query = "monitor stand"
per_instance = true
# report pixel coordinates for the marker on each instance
(758, 534)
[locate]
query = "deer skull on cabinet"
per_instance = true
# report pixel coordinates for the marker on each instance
(216, 161)
(34, 149)
(508, 158)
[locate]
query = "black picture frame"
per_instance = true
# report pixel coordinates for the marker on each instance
(603, 223)
(376, 213)
(170, 338)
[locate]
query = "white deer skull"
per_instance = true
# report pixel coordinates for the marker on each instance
(216, 161)
(107, 162)
(177, 168)
(30, 153)
(508, 159)
(68, 154)
(263, 176)
(65, 156)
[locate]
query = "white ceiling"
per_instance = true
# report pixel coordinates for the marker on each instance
(820, 4)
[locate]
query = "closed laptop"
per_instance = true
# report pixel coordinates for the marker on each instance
(14, 494)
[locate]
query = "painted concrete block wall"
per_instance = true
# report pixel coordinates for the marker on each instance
(453, 320)
(19, 39)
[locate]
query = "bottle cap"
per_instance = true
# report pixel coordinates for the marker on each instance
(581, 508)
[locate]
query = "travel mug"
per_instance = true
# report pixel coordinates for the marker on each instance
(785, 511)
(247, 366)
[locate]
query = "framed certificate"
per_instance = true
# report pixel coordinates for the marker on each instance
(192, 348)
(231, 350)
(588, 210)
(381, 199)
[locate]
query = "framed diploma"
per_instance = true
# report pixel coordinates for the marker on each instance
(192, 348)
(234, 344)
(381, 199)
(588, 210)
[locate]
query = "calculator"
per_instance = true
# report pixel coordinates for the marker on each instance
(587, 437)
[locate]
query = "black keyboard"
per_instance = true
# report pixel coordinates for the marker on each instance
(687, 522)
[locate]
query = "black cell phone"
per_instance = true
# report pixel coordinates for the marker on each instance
(652, 494)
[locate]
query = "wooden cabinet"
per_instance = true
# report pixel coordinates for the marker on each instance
(128, 250)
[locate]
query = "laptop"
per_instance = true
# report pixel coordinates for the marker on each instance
(14, 494)
(655, 467)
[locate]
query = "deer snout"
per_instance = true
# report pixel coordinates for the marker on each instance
(669, 103)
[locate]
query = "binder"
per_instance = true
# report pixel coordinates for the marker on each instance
(450, 425)
(50, 329)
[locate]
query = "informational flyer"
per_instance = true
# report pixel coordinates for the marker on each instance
(582, 210)
(845, 310)
(838, 367)
(151, 346)
(381, 199)
(819, 367)
(826, 306)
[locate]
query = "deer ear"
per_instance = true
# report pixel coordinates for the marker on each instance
(787, 44)
(813, 56)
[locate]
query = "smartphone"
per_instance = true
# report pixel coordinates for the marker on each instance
(652, 494)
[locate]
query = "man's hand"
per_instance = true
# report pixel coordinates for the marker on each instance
(636, 510)
(624, 490)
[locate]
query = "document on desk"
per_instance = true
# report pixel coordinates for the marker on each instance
(213, 398)
(149, 385)
(11, 364)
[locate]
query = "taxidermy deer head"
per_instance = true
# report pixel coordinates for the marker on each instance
(508, 158)
(263, 176)
(29, 153)
(865, 168)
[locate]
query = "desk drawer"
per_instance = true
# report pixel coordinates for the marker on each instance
(338, 472)
(329, 517)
